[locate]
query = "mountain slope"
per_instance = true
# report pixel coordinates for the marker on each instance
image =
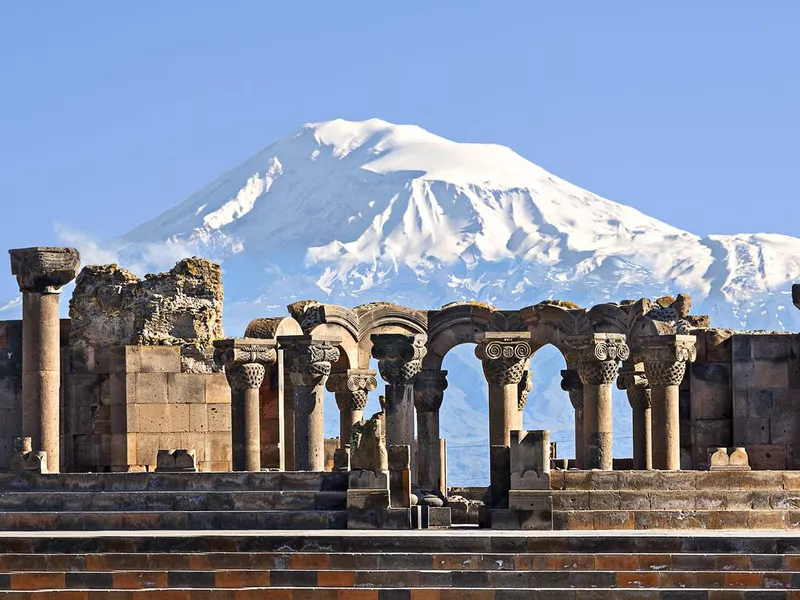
(350, 212)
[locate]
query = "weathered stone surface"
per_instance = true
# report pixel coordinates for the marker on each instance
(44, 270)
(368, 446)
(182, 307)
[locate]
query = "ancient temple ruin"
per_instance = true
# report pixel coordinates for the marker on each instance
(140, 389)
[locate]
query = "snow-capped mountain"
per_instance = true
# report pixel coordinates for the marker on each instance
(352, 212)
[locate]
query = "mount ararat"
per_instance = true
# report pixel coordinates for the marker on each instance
(353, 212)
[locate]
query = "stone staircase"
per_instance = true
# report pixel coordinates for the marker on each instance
(410, 565)
(185, 501)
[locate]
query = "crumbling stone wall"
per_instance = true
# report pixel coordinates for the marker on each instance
(182, 307)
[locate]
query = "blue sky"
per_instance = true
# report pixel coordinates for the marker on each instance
(111, 112)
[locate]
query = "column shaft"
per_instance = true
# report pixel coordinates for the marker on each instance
(666, 427)
(580, 440)
(429, 450)
(347, 417)
(41, 374)
(252, 430)
(309, 433)
(400, 417)
(642, 440)
(597, 426)
(503, 413)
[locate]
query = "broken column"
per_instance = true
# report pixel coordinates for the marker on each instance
(665, 358)
(571, 383)
(41, 273)
(245, 361)
(351, 388)
(633, 380)
(429, 387)
(597, 357)
(524, 389)
(399, 359)
(307, 362)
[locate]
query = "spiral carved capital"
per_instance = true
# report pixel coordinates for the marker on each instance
(307, 361)
(597, 356)
(665, 357)
(352, 387)
(504, 359)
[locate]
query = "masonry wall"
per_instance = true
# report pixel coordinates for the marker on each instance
(10, 387)
(130, 401)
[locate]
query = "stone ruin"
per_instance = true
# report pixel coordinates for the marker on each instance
(141, 368)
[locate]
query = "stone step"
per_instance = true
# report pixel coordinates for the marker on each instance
(454, 541)
(173, 520)
(387, 579)
(675, 519)
(53, 501)
(134, 482)
(345, 593)
(643, 563)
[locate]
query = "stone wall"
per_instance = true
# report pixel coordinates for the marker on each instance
(135, 401)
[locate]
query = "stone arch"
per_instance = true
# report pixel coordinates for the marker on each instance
(385, 317)
(330, 320)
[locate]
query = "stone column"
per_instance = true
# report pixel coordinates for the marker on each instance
(245, 362)
(429, 387)
(665, 358)
(504, 356)
(597, 357)
(351, 387)
(307, 362)
(399, 359)
(41, 273)
(523, 390)
(571, 383)
(634, 382)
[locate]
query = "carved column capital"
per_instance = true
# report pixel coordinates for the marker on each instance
(597, 356)
(525, 386)
(351, 387)
(634, 381)
(571, 383)
(44, 270)
(244, 360)
(429, 387)
(665, 357)
(399, 356)
(504, 356)
(307, 359)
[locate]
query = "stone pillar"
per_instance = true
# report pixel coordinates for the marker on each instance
(41, 273)
(351, 387)
(307, 362)
(665, 358)
(571, 383)
(523, 390)
(245, 361)
(634, 382)
(597, 357)
(504, 357)
(399, 359)
(429, 387)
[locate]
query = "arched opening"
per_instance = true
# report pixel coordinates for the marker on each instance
(548, 405)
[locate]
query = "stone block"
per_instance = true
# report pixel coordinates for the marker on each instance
(198, 418)
(718, 457)
(176, 461)
(743, 374)
(84, 390)
(629, 500)
(367, 480)
(216, 446)
(160, 359)
(604, 500)
(186, 388)
(147, 447)
(673, 500)
(741, 347)
(530, 480)
(783, 431)
(710, 390)
(121, 389)
(506, 519)
(217, 390)
(219, 417)
(154, 418)
(718, 345)
(751, 430)
(759, 402)
(119, 418)
(772, 373)
(379, 519)
(768, 457)
(179, 418)
(341, 460)
(399, 457)
(435, 517)
(120, 359)
(772, 347)
(530, 500)
(530, 451)
(612, 519)
(150, 388)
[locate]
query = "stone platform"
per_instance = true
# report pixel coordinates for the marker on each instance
(351, 565)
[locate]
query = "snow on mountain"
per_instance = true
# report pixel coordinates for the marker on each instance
(352, 212)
